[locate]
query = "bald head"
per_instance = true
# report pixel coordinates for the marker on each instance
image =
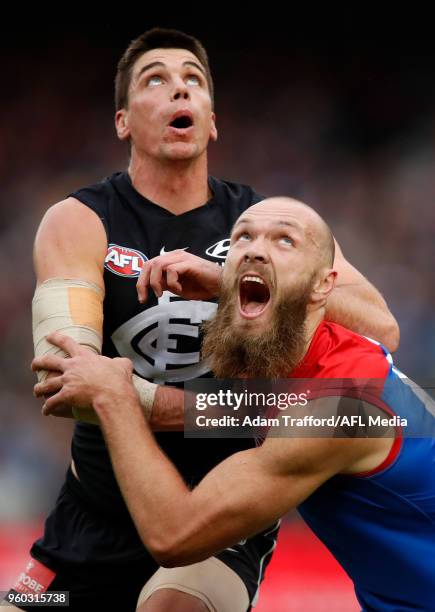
(302, 218)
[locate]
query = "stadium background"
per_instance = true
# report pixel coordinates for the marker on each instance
(344, 122)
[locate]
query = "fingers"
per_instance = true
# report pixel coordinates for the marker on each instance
(172, 281)
(66, 343)
(61, 410)
(53, 402)
(49, 362)
(143, 282)
(153, 273)
(56, 362)
(49, 386)
(157, 279)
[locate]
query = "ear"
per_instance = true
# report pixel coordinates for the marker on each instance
(213, 129)
(121, 124)
(323, 286)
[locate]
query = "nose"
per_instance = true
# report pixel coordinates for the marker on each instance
(180, 91)
(255, 256)
(181, 94)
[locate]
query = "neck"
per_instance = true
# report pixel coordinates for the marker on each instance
(178, 186)
(312, 322)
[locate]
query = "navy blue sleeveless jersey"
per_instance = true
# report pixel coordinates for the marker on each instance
(161, 337)
(379, 525)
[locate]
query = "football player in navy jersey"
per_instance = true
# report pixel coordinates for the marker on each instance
(89, 251)
(368, 492)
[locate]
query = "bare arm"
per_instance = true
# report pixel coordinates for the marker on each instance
(71, 243)
(356, 304)
(168, 410)
(241, 496)
(180, 526)
(224, 508)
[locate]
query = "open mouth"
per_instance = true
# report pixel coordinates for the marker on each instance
(182, 122)
(254, 296)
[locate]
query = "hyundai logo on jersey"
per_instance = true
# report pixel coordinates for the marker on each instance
(219, 249)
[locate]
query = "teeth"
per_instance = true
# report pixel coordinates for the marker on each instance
(254, 279)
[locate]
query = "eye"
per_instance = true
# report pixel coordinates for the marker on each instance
(193, 79)
(245, 236)
(154, 81)
(286, 240)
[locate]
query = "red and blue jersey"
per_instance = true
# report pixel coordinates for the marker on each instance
(379, 525)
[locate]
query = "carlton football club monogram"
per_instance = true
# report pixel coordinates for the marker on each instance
(154, 332)
(124, 261)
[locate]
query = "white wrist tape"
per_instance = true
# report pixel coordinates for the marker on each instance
(146, 392)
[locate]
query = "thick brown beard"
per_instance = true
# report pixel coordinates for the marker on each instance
(272, 354)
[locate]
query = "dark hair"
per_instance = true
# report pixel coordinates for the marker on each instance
(157, 38)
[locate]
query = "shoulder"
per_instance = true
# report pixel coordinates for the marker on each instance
(70, 214)
(337, 352)
(68, 230)
(348, 340)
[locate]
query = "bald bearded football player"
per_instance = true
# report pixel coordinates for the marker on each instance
(370, 499)
(89, 251)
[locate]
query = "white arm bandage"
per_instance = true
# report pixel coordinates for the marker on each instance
(146, 392)
(75, 308)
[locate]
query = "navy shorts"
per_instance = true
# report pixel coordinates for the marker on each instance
(100, 560)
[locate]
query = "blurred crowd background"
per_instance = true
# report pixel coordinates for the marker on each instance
(347, 126)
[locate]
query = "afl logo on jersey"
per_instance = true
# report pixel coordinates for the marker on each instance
(124, 261)
(220, 249)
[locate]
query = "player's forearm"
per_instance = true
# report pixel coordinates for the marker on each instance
(168, 410)
(155, 494)
(178, 526)
(361, 308)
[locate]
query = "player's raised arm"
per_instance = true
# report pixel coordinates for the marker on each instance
(71, 243)
(356, 304)
(69, 252)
